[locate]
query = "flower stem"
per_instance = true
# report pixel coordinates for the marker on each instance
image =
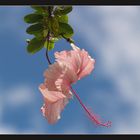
(48, 37)
(47, 56)
(91, 115)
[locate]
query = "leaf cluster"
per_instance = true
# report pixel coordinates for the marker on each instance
(48, 24)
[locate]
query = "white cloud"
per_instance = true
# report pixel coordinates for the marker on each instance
(7, 130)
(119, 53)
(15, 98)
(19, 95)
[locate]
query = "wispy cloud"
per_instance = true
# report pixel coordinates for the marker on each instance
(16, 98)
(7, 130)
(117, 41)
(19, 96)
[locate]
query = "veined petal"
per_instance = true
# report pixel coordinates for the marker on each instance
(66, 79)
(87, 64)
(79, 61)
(54, 103)
(51, 75)
(58, 77)
(68, 58)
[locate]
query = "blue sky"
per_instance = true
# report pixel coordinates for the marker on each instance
(111, 35)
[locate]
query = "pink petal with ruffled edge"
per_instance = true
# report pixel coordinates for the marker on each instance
(77, 60)
(58, 77)
(68, 57)
(54, 103)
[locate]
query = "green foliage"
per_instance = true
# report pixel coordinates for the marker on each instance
(63, 19)
(47, 21)
(63, 10)
(33, 18)
(35, 45)
(40, 9)
(66, 10)
(54, 26)
(36, 28)
(65, 30)
(49, 45)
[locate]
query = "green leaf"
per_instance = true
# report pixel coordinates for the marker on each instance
(54, 39)
(35, 45)
(35, 29)
(45, 32)
(51, 43)
(63, 10)
(39, 35)
(39, 8)
(33, 18)
(49, 46)
(54, 26)
(45, 14)
(63, 19)
(66, 10)
(65, 29)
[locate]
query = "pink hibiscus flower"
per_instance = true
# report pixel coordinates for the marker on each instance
(70, 66)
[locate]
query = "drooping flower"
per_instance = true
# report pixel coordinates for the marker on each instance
(70, 66)
(54, 99)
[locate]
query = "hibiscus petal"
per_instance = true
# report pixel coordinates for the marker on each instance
(69, 58)
(77, 60)
(54, 103)
(58, 77)
(51, 75)
(87, 63)
(66, 79)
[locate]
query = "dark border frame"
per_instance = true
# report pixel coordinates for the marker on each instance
(74, 136)
(69, 2)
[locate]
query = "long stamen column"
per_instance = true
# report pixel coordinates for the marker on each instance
(91, 115)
